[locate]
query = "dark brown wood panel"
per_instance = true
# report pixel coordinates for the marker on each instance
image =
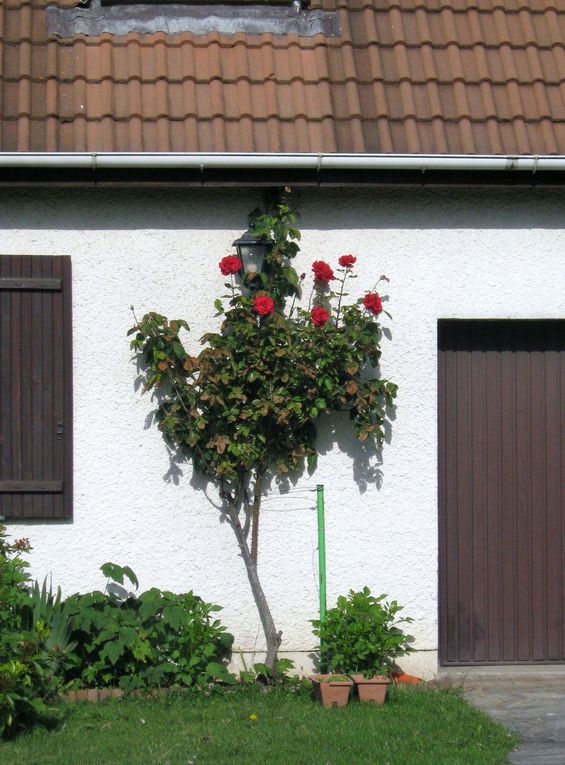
(501, 494)
(35, 387)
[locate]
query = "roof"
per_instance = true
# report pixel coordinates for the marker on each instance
(411, 76)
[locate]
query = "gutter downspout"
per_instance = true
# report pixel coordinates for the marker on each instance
(317, 162)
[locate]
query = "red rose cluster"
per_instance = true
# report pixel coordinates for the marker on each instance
(347, 261)
(322, 272)
(373, 303)
(230, 265)
(263, 305)
(319, 316)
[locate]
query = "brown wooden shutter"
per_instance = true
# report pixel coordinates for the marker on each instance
(35, 387)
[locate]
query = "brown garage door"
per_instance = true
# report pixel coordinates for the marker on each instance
(501, 493)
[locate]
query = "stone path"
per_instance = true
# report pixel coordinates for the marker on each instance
(532, 707)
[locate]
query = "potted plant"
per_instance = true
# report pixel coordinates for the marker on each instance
(332, 690)
(361, 638)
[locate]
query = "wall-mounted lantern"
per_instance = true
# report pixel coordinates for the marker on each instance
(251, 251)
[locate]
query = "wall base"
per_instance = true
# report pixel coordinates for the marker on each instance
(421, 663)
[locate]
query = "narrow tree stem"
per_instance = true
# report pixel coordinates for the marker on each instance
(255, 515)
(272, 637)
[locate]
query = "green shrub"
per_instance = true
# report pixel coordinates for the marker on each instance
(14, 581)
(97, 639)
(156, 639)
(26, 678)
(362, 635)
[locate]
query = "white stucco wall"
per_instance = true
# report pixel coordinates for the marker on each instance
(447, 254)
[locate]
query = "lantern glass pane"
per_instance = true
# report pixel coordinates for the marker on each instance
(252, 257)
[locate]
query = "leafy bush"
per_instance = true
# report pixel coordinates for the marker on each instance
(97, 639)
(25, 673)
(261, 674)
(248, 405)
(156, 639)
(48, 613)
(361, 635)
(13, 582)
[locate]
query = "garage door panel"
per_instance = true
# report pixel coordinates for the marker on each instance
(501, 425)
(493, 490)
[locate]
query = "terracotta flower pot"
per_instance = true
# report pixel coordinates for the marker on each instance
(372, 690)
(401, 678)
(331, 693)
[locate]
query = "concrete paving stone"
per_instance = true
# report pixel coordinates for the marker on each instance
(529, 754)
(535, 710)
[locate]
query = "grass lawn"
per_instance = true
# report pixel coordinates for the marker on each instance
(415, 727)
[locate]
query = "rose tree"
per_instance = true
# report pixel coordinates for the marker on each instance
(246, 406)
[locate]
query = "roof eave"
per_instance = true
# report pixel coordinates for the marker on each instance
(310, 169)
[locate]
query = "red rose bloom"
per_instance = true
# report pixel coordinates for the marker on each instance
(263, 305)
(347, 261)
(322, 272)
(373, 303)
(319, 316)
(230, 265)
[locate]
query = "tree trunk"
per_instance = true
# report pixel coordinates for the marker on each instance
(272, 637)
(255, 515)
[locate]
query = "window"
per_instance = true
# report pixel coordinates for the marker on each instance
(298, 3)
(35, 387)
(200, 17)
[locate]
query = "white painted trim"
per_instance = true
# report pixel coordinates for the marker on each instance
(318, 162)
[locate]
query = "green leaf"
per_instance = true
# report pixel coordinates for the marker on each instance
(179, 351)
(129, 636)
(219, 672)
(141, 651)
(312, 462)
(291, 276)
(262, 669)
(150, 604)
(113, 651)
(131, 576)
(117, 573)
(218, 306)
(172, 615)
(113, 571)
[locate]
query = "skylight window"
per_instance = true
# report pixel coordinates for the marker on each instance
(298, 3)
(200, 17)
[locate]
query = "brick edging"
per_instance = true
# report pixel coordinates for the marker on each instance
(94, 695)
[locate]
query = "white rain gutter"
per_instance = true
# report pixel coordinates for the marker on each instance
(164, 160)
(318, 162)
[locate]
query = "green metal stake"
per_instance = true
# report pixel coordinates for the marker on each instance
(321, 551)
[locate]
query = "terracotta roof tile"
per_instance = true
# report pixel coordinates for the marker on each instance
(460, 76)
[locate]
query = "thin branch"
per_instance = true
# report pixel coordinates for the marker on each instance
(381, 278)
(311, 296)
(340, 297)
(180, 397)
